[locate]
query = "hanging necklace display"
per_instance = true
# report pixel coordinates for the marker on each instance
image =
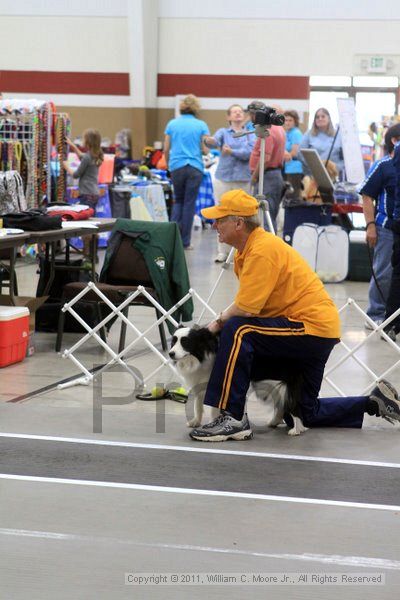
(62, 126)
(60, 155)
(4, 157)
(29, 187)
(35, 159)
(45, 153)
(23, 169)
(41, 151)
(18, 155)
(10, 155)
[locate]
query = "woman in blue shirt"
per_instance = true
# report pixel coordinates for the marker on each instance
(233, 167)
(183, 146)
(320, 137)
(293, 168)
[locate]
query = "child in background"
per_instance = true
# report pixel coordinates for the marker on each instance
(88, 171)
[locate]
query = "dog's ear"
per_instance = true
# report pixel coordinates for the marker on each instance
(205, 333)
(210, 340)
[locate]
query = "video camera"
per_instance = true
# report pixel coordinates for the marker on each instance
(263, 115)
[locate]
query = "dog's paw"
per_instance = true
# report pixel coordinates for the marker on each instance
(194, 423)
(297, 430)
(294, 431)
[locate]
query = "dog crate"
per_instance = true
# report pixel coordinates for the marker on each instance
(326, 249)
(318, 214)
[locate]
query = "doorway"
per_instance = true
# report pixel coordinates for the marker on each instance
(374, 107)
(326, 100)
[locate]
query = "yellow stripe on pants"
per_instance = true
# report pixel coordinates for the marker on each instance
(237, 341)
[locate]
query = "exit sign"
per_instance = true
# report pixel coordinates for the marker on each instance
(377, 64)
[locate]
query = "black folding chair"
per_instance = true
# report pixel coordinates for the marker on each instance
(127, 271)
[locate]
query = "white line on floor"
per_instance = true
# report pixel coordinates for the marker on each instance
(332, 559)
(200, 492)
(202, 449)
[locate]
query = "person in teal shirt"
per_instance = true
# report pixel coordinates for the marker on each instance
(293, 168)
(183, 145)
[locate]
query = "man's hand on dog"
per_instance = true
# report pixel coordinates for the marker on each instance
(214, 326)
(217, 324)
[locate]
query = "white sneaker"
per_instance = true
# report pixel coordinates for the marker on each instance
(367, 324)
(220, 258)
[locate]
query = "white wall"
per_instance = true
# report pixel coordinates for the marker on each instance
(274, 37)
(230, 37)
(92, 8)
(64, 44)
(272, 47)
(280, 9)
(218, 9)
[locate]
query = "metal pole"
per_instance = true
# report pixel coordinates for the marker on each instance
(262, 201)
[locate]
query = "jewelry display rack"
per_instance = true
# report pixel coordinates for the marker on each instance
(25, 146)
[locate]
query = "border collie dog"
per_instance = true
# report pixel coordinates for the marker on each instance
(193, 351)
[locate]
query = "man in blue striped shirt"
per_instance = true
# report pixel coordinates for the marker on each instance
(393, 300)
(378, 192)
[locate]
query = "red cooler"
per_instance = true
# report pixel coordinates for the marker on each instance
(14, 334)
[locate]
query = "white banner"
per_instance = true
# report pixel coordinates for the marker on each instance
(353, 160)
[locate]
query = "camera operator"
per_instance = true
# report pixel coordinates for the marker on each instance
(275, 145)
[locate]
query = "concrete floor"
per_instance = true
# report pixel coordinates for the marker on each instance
(79, 509)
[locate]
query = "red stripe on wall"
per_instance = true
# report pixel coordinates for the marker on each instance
(58, 82)
(234, 86)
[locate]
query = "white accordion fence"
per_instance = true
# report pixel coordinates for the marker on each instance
(347, 353)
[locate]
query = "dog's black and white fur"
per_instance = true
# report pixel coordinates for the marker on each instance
(193, 351)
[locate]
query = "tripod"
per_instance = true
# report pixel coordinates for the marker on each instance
(262, 132)
(264, 214)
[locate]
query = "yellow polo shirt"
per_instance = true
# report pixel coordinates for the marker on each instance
(275, 281)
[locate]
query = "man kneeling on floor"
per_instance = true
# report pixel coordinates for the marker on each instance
(282, 318)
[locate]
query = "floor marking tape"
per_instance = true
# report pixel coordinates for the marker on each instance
(200, 492)
(332, 559)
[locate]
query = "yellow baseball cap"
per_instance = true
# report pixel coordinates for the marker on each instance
(235, 202)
